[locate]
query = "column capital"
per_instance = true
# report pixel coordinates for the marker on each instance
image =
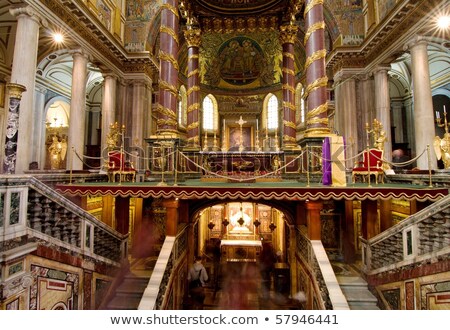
(288, 33)
(80, 53)
(109, 75)
(193, 37)
(18, 11)
(41, 89)
(382, 68)
(415, 41)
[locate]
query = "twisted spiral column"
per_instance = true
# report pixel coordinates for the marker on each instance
(288, 35)
(193, 93)
(168, 75)
(316, 79)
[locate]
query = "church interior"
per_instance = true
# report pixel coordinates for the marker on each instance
(300, 147)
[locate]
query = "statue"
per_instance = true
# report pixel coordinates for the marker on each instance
(380, 140)
(58, 150)
(442, 149)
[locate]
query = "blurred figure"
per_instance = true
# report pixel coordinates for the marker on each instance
(197, 293)
(267, 261)
(398, 156)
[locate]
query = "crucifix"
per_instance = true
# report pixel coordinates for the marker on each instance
(241, 122)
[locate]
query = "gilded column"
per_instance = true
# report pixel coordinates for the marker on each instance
(288, 35)
(316, 79)
(168, 75)
(193, 39)
(12, 128)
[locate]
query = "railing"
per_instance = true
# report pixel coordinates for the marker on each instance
(172, 253)
(314, 257)
(421, 236)
(29, 208)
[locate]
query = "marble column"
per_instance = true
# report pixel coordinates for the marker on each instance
(39, 148)
(346, 111)
(366, 93)
(121, 113)
(383, 107)
(424, 124)
(316, 78)
(136, 131)
(108, 107)
(193, 39)
(288, 36)
(12, 128)
(77, 119)
(23, 72)
(168, 76)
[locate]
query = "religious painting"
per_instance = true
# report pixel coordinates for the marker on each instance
(236, 135)
(384, 6)
(240, 61)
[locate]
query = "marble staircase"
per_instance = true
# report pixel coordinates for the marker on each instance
(354, 288)
(128, 293)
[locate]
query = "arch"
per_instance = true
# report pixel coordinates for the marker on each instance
(270, 113)
(210, 113)
(182, 107)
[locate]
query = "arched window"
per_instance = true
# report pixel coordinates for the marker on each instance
(182, 107)
(210, 113)
(300, 105)
(272, 113)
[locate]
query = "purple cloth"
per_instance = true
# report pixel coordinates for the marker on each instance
(326, 162)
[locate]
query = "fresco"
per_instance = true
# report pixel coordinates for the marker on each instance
(384, 6)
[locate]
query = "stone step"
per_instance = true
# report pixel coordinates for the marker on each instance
(351, 281)
(355, 294)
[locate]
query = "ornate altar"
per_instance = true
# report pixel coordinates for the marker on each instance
(246, 165)
(240, 250)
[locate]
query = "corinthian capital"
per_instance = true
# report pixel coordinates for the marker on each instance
(193, 37)
(288, 33)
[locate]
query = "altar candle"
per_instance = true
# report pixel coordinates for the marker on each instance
(444, 109)
(257, 124)
(224, 125)
(438, 115)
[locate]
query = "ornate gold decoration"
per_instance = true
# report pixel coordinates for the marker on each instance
(173, 9)
(288, 87)
(290, 55)
(193, 37)
(313, 28)
(192, 126)
(318, 110)
(193, 107)
(15, 90)
(169, 31)
(288, 33)
(193, 89)
(310, 5)
(442, 146)
(169, 87)
(319, 82)
(168, 122)
(193, 73)
(191, 57)
(166, 111)
(169, 58)
(317, 121)
(289, 105)
(317, 55)
(288, 71)
(290, 124)
(288, 138)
